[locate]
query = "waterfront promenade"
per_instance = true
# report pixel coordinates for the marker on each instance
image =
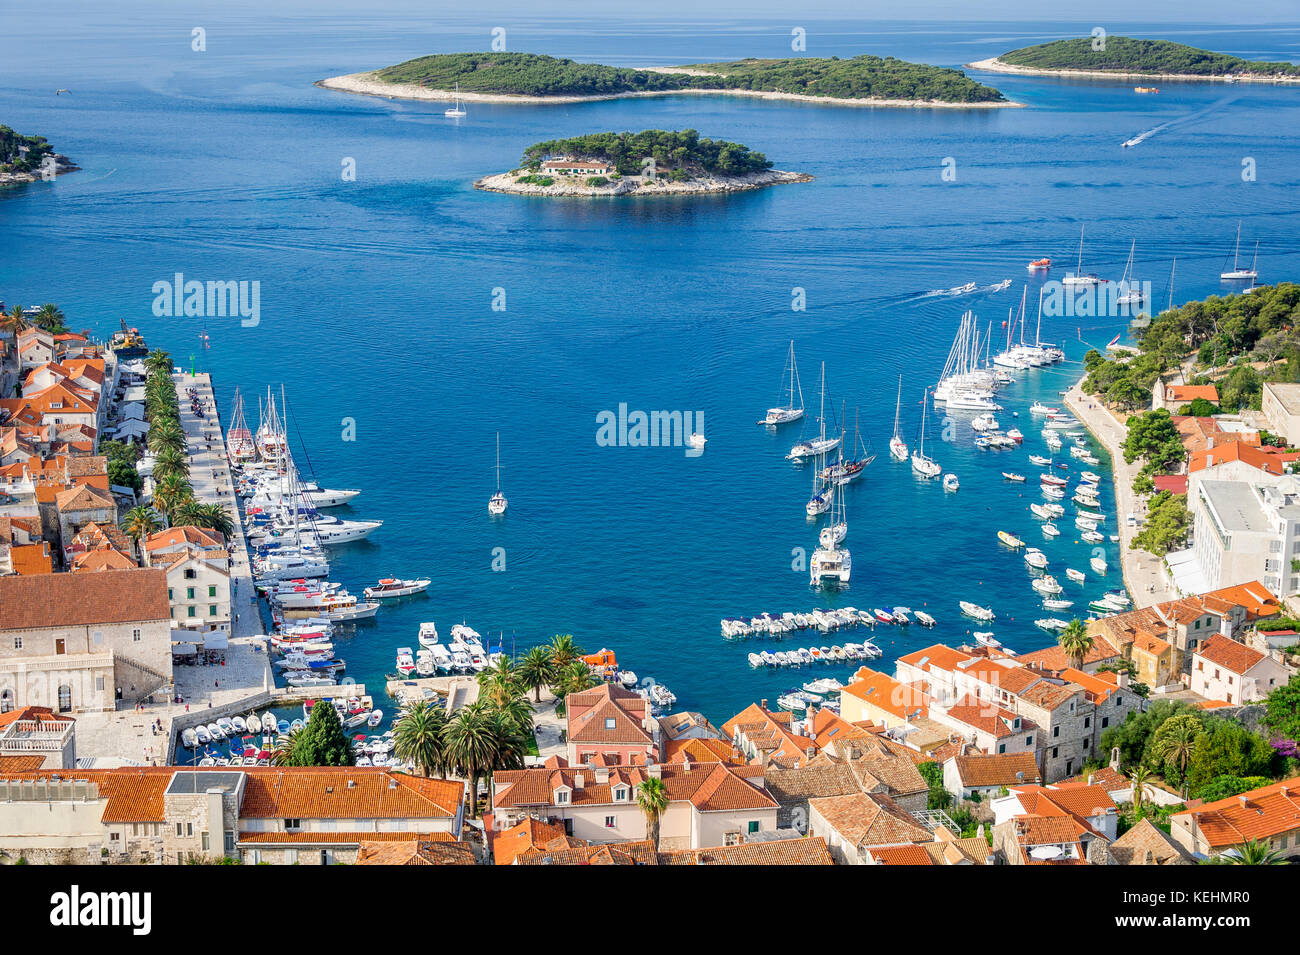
(245, 677)
(1144, 574)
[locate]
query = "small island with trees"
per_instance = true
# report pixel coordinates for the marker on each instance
(23, 158)
(535, 78)
(651, 162)
(1121, 57)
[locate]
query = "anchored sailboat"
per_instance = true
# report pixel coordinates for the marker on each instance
(497, 504)
(240, 447)
(1130, 291)
(789, 411)
(1077, 277)
(1237, 273)
(455, 112)
(822, 444)
(829, 561)
(897, 446)
(922, 464)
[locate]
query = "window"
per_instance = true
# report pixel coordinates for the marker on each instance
(18, 643)
(205, 841)
(609, 722)
(189, 573)
(189, 593)
(620, 793)
(1056, 732)
(135, 828)
(60, 646)
(229, 842)
(6, 700)
(1087, 722)
(609, 822)
(99, 684)
(1055, 750)
(65, 698)
(180, 831)
(169, 594)
(291, 856)
(292, 825)
(753, 826)
(190, 612)
(1216, 673)
(1229, 681)
(1085, 742)
(561, 796)
(1002, 748)
(1105, 720)
(1029, 741)
(136, 635)
(189, 829)
(114, 836)
(212, 591)
(1119, 701)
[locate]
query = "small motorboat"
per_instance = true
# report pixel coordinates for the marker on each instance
(985, 638)
(1098, 565)
(393, 587)
(1051, 623)
(923, 618)
(283, 726)
(1077, 576)
(1012, 476)
(1011, 540)
(189, 738)
(1046, 584)
(1039, 265)
(1090, 477)
(1120, 597)
(950, 482)
(975, 610)
(882, 616)
(1039, 460)
(1052, 480)
(405, 661)
(1057, 603)
(241, 727)
(755, 660)
(1051, 530)
(375, 718)
(1016, 435)
(1035, 558)
(1092, 536)
(697, 441)
(253, 723)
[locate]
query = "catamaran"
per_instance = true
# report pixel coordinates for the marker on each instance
(830, 562)
(1238, 273)
(497, 504)
(455, 112)
(897, 446)
(790, 411)
(1130, 291)
(1078, 277)
(922, 463)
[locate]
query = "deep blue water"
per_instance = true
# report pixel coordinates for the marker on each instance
(376, 298)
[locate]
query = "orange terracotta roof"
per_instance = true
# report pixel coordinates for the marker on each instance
(898, 699)
(1003, 769)
(347, 793)
(1189, 393)
(1234, 451)
(1259, 814)
(526, 835)
(1228, 653)
(1053, 659)
(939, 656)
(62, 600)
(1254, 597)
(28, 559)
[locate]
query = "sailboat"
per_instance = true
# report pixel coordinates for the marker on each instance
(240, 447)
(455, 112)
(1077, 277)
(789, 411)
(497, 504)
(897, 446)
(820, 445)
(1130, 291)
(851, 469)
(1238, 273)
(922, 464)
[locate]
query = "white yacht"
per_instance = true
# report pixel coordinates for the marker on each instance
(1237, 273)
(830, 562)
(1078, 277)
(922, 464)
(455, 112)
(497, 504)
(897, 446)
(790, 411)
(1130, 291)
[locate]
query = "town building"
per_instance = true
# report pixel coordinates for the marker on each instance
(1173, 397)
(1270, 814)
(612, 723)
(1223, 669)
(577, 167)
(1280, 405)
(987, 775)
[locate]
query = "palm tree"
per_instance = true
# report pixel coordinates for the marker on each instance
(210, 515)
(283, 752)
(1076, 642)
(171, 493)
(1254, 852)
(1174, 742)
(564, 650)
(140, 522)
(418, 735)
(171, 461)
(500, 683)
(166, 434)
(470, 745)
(536, 670)
(519, 712)
(652, 797)
(1140, 776)
(13, 320)
(574, 678)
(50, 317)
(158, 363)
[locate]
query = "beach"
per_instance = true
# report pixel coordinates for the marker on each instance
(576, 187)
(368, 84)
(994, 65)
(1143, 575)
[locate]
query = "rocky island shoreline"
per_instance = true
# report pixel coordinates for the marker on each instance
(509, 182)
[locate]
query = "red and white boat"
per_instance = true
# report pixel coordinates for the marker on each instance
(1039, 265)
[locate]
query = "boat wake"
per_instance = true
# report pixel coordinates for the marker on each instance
(1181, 121)
(970, 288)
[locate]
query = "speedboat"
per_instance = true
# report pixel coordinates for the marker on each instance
(1056, 603)
(1011, 540)
(1039, 408)
(975, 610)
(1012, 476)
(1035, 558)
(882, 616)
(1051, 530)
(985, 638)
(405, 661)
(1077, 576)
(697, 440)
(375, 718)
(923, 618)
(1051, 623)
(189, 739)
(1090, 477)
(950, 482)
(1046, 585)
(393, 587)
(1119, 596)
(1040, 511)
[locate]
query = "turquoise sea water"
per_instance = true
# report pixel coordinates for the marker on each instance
(376, 302)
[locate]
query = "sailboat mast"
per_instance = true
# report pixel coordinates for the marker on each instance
(1172, 268)
(898, 404)
(1038, 332)
(1237, 247)
(498, 461)
(1079, 267)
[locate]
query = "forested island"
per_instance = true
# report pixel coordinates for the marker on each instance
(531, 77)
(652, 161)
(1126, 56)
(21, 157)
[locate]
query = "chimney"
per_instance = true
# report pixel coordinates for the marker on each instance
(602, 775)
(579, 780)
(810, 751)
(654, 771)
(762, 704)
(1090, 778)
(1243, 800)
(686, 763)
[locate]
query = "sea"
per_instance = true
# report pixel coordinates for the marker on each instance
(409, 318)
